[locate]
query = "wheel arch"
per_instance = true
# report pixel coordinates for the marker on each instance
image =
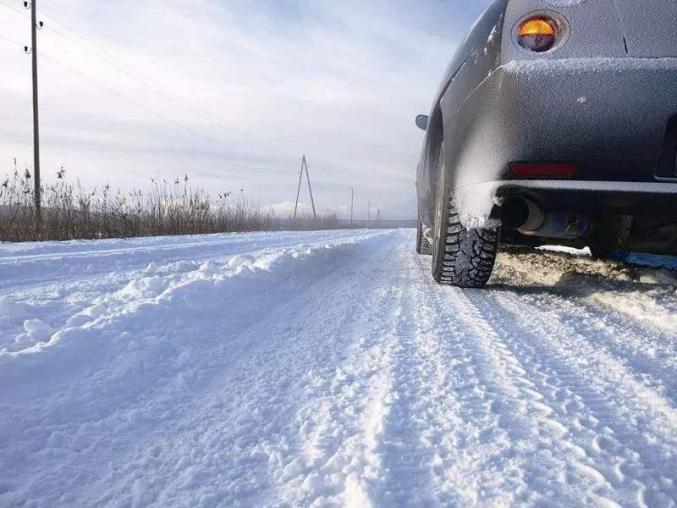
(433, 150)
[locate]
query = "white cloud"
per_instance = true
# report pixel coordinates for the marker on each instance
(340, 81)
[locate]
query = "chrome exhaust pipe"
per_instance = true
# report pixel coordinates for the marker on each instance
(530, 220)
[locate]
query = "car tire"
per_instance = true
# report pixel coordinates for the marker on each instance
(423, 246)
(461, 257)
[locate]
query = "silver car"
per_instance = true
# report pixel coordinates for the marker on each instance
(555, 122)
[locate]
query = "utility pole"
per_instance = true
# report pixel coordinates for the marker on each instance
(368, 214)
(310, 188)
(36, 123)
(352, 202)
(304, 167)
(298, 191)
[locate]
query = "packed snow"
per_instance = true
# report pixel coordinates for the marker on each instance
(327, 369)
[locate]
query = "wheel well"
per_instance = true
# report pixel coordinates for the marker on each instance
(436, 137)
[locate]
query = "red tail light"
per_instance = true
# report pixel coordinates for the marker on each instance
(542, 170)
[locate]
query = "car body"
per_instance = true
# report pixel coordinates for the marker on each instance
(583, 135)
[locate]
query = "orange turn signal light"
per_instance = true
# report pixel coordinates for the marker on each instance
(537, 34)
(537, 26)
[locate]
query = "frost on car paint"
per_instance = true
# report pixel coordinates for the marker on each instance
(554, 120)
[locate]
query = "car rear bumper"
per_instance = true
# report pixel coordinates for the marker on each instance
(589, 196)
(607, 116)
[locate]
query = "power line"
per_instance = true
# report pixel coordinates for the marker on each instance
(121, 66)
(118, 94)
(9, 39)
(18, 11)
(128, 99)
(130, 71)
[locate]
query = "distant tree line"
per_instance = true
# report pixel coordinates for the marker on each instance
(165, 208)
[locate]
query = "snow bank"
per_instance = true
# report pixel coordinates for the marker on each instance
(178, 291)
(79, 386)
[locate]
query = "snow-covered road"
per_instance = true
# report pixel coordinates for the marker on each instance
(316, 369)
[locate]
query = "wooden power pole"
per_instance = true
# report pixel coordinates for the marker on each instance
(352, 202)
(36, 122)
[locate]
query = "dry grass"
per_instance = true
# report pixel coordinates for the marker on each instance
(166, 208)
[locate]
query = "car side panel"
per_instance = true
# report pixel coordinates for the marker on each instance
(475, 59)
(650, 29)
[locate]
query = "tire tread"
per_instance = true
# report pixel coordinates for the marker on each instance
(423, 246)
(469, 255)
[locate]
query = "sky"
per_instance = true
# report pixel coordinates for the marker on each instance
(232, 93)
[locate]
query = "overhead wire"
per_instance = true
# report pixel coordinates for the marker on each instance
(116, 63)
(129, 70)
(11, 8)
(112, 60)
(126, 98)
(9, 39)
(139, 105)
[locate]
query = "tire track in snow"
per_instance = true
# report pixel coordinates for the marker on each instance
(545, 449)
(406, 450)
(472, 461)
(596, 364)
(341, 426)
(644, 332)
(420, 428)
(613, 443)
(649, 356)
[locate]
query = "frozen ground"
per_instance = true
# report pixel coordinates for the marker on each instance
(300, 369)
